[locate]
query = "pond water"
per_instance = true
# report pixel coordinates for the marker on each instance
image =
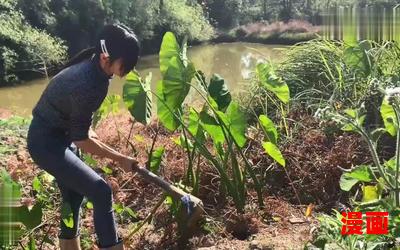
(233, 61)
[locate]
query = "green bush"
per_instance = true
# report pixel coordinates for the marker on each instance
(184, 19)
(23, 48)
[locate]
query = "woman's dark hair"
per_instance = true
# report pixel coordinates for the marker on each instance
(120, 41)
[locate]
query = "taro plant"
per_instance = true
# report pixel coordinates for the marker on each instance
(214, 130)
(137, 96)
(219, 119)
(270, 92)
(271, 140)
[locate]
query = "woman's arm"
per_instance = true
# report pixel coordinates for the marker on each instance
(83, 103)
(95, 146)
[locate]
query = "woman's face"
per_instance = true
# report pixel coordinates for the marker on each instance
(112, 68)
(117, 68)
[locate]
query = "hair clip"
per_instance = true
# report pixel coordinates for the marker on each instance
(104, 48)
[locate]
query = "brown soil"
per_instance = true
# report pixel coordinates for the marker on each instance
(314, 157)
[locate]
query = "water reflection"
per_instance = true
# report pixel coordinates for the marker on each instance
(235, 62)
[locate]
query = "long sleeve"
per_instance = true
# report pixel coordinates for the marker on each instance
(83, 104)
(71, 97)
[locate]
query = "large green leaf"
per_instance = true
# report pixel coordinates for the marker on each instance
(361, 173)
(235, 120)
(156, 158)
(169, 49)
(212, 127)
(175, 88)
(389, 117)
(346, 182)
(269, 80)
(168, 117)
(219, 91)
(137, 97)
(269, 128)
(357, 58)
(273, 151)
(177, 72)
(194, 125)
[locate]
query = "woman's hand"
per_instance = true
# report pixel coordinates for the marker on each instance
(128, 164)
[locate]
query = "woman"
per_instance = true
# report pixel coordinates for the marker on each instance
(61, 121)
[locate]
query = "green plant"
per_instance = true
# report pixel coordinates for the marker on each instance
(322, 72)
(125, 214)
(218, 120)
(376, 185)
(13, 213)
(178, 72)
(384, 175)
(86, 241)
(271, 140)
(269, 95)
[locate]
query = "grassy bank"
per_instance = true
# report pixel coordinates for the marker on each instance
(289, 33)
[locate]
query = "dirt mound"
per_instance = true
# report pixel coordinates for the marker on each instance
(222, 228)
(313, 161)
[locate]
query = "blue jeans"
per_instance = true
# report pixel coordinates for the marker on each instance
(51, 150)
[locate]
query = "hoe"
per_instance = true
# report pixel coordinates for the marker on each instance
(193, 206)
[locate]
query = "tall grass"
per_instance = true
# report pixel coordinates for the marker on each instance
(322, 72)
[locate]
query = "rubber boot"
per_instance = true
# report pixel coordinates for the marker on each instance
(70, 244)
(118, 246)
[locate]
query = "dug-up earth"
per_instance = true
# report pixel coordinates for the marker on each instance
(281, 224)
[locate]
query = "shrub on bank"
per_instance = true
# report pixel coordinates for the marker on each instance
(23, 48)
(276, 32)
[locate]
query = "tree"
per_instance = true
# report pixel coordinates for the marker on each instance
(78, 22)
(37, 13)
(23, 48)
